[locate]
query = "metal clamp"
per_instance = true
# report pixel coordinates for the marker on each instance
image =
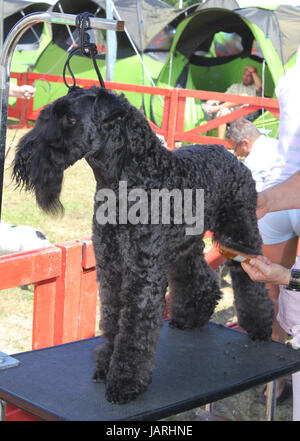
(2, 410)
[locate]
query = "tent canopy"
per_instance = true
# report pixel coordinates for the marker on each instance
(154, 15)
(271, 34)
(279, 24)
(217, 40)
(13, 6)
(143, 19)
(13, 12)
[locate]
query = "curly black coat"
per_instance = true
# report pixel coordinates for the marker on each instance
(135, 263)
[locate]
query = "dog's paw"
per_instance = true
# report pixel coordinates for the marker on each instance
(178, 324)
(122, 390)
(260, 334)
(183, 323)
(102, 356)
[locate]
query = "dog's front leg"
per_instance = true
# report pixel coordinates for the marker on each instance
(141, 318)
(109, 276)
(110, 305)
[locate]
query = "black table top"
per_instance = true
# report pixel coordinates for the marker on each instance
(193, 367)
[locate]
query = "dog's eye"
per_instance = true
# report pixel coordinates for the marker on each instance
(68, 122)
(71, 121)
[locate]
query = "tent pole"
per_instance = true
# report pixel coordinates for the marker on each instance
(263, 90)
(68, 27)
(1, 24)
(7, 51)
(134, 47)
(32, 29)
(140, 26)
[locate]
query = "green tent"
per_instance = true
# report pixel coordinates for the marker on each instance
(32, 42)
(212, 46)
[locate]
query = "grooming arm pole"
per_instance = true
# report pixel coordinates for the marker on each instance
(7, 51)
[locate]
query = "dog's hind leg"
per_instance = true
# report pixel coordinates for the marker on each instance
(194, 290)
(253, 305)
(237, 228)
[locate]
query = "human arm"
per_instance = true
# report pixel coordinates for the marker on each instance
(215, 106)
(226, 105)
(25, 91)
(260, 269)
(212, 102)
(232, 90)
(283, 196)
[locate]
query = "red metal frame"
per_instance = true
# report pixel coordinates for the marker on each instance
(65, 295)
(65, 288)
(173, 112)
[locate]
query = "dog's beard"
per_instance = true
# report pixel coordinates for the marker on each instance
(44, 182)
(47, 188)
(49, 203)
(21, 170)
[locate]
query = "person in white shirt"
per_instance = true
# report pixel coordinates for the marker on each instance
(259, 151)
(282, 196)
(261, 156)
(280, 230)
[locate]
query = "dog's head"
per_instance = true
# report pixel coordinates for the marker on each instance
(65, 131)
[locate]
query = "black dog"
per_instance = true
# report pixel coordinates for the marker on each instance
(137, 260)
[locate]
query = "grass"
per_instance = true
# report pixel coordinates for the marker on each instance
(16, 304)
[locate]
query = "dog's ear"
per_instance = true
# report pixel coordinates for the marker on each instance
(107, 107)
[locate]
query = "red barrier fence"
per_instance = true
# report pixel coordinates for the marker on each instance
(65, 289)
(65, 295)
(172, 128)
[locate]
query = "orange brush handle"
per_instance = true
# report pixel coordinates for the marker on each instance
(232, 254)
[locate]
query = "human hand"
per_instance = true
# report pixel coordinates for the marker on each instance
(251, 69)
(261, 269)
(212, 102)
(25, 91)
(214, 109)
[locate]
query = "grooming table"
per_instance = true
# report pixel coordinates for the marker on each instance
(193, 368)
